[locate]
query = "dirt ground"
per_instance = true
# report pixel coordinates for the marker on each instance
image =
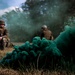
(9, 49)
(17, 43)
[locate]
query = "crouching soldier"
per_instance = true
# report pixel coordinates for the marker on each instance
(46, 33)
(4, 39)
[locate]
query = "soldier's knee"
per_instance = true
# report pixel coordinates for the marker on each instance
(4, 39)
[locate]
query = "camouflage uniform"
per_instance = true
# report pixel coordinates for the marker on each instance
(46, 33)
(4, 34)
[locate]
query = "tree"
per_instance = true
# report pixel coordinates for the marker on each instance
(49, 12)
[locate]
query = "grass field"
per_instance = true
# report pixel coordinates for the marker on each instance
(9, 71)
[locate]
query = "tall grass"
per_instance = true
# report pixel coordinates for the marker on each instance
(33, 72)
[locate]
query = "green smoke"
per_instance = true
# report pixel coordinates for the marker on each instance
(28, 53)
(22, 26)
(43, 50)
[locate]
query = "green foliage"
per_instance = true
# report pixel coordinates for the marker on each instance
(49, 12)
(36, 13)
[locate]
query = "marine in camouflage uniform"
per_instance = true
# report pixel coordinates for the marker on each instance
(46, 33)
(4, 39)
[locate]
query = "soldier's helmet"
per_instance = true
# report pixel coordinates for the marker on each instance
(44, 27)
(2, 22)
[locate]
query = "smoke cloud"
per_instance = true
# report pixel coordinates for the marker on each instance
(51, 14)
(22, 27)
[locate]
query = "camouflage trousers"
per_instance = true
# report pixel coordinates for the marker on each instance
(4, 43)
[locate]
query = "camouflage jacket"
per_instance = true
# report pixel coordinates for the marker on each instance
(47, 34)
(3, 32)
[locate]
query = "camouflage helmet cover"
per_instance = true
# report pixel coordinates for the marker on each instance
(2, 22)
